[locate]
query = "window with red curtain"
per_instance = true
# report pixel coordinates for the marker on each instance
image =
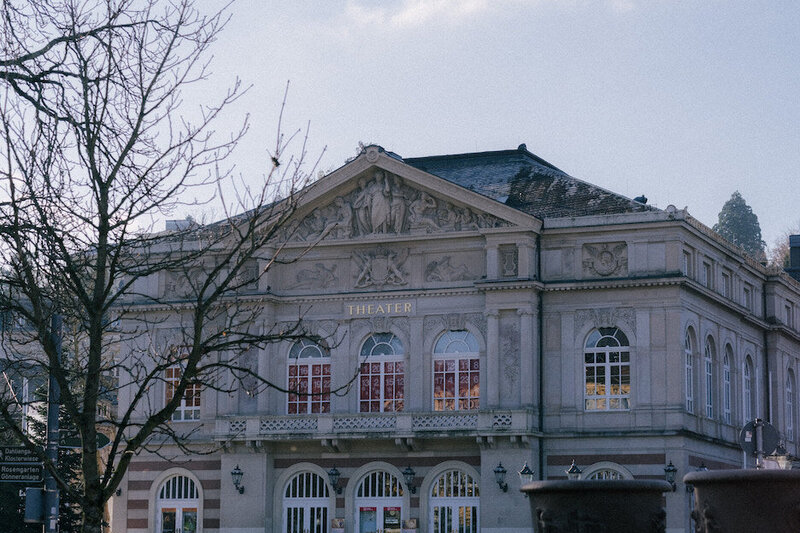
(382, 374)
(309, 379)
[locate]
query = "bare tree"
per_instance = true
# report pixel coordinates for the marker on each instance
(98, 143)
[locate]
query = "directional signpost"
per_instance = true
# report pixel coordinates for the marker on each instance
(19, 465)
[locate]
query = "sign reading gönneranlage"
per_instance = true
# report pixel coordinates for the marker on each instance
(387, 308)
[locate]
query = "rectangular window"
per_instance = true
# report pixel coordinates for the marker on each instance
(787, 311)
(686, 265)
(726, 285)
(381, 387)
(189, 408)
(608, 381)
(747, 296)
(706, 276)
(456, 384)
(709, 388)
(311, 383)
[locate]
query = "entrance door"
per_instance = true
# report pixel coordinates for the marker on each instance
(306, 504)
(177, 505)
(379, 503)
(454, 504)
(306, 519)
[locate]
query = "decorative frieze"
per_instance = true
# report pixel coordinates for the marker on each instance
(605, 317)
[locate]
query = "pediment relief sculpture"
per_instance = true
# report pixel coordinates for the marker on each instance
(607, 259)
(383, 204)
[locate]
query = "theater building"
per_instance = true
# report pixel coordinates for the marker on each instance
(490, 311)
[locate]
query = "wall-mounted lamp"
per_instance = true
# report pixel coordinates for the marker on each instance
(236, 476)
(408, 477)
(333, 477)
(573, 473)
(781, 457)
(500, 477)
(669, 474)
(701, 468)
(525, 475)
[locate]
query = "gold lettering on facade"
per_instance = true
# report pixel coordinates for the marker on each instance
(391, 308)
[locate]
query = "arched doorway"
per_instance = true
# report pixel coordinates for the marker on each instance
(306, 504)
(379, 503)
(176, 506)
(454, 503)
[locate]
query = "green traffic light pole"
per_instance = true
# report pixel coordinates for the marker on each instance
(53, 404)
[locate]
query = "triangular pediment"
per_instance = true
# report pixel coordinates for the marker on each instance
(378, 195)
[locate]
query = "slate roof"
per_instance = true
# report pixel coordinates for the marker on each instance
(526, 182)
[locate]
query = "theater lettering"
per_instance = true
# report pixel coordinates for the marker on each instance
(388, 308)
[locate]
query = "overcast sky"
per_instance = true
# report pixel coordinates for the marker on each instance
(682, 101)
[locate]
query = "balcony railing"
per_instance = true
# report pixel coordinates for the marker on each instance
(404, 424)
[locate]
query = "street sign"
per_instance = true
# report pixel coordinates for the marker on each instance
(72, 441)
(17, 454)
(749, 435)
(21, 473)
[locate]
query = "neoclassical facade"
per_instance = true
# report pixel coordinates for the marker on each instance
(487, 311)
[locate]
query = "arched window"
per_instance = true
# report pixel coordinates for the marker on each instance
(688, 358)
(379, 502)
(708, 363)
(747, 390)
(607, 370)
(606, 470)
(176, 506)
(381, 380)
(306, 504)
(454, 503)
(456, 372)
(790, 411)
(309, 378)
(726, 385)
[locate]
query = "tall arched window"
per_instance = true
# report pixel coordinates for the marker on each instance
(309, 378)
(688, 359)
(726, 385)
(379, 502)
(708, 363)
(381, 381)
(456, 372)
(607, 370)
(306, 504)
(747, 390)
(176, 506)
(790, 410)
(454, 503)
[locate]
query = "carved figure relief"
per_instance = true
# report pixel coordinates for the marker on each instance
(383, 204)
(380, 268)
(605, 259)
(444, 270)
(317, 277)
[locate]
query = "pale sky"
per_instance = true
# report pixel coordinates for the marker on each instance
(682, 101)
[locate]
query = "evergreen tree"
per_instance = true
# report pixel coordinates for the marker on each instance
(738, 224)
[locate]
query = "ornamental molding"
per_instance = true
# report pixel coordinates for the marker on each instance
(605, 317)
(605, 259)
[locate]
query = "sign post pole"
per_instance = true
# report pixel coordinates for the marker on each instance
(53, 404)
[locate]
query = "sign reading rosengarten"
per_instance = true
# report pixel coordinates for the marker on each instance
(19, 465)
(21, 473)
